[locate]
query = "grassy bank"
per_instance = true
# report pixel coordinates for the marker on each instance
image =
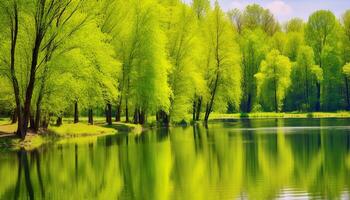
(81, 132)
(342, 114)
(77, 132)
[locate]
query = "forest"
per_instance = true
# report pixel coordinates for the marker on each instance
(131, 59)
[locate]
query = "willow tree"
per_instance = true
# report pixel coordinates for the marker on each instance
(320, 34)
(253, 48)
(305, 75)
(117, 20)
(184, 53)
(201, 8)
(148, 74)
(223, 72)
(273, 80)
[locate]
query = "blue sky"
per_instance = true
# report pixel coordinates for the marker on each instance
(286, 9)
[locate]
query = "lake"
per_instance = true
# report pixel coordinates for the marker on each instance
(235, 159)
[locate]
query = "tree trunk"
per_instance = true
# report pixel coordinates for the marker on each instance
(30, 87)
(126, 111)
(14, 116)
(347, 93)
(31, 122)
(41, 95)
(249, 103)
(275, 97)
(163, 118)
(199, 108)
(14, 33)
(142, 117)
(118, 113)
(211, 102)
(37, 116)
(136, 116)
(59, 121)
(76, 112)
(194, 111)
(91, 117)
(109, 114)
(45, 121)
(318, 100)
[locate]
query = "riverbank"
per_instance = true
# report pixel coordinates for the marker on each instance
(79, 132)
(340, 114)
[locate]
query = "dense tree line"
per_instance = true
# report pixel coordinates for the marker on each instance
(140, 58)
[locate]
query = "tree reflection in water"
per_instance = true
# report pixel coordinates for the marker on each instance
(254, 159)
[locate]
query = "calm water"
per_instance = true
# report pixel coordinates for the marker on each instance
(246, 159)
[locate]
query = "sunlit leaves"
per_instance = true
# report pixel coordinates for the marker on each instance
(273, 80)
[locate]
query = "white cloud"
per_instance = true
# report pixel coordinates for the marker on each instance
(279, 8)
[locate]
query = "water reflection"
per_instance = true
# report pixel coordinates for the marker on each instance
(248, 159)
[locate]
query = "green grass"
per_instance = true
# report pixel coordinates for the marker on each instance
(13, 143)
(4, 121)
(80, 129)
(340, 114)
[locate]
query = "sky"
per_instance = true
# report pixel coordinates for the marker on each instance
(287, 9)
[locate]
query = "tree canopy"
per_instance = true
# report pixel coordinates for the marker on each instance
(168, 59)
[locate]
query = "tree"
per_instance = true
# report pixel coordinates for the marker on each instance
(223, 71)
(10, 19)
(346, 71)
(200, 7)
(255, 16)
(184, 51)
(294, 25)
(345, 50)
(295, 41)
(273, 80)
(148, 74)
(253, 48)
(236, 19)
(305, 75)
(320, 35)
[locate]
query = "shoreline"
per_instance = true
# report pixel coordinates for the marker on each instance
(84, 132)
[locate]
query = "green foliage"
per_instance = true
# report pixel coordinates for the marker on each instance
(305, 74)
(253, 49)
(172, 58)
(223, 73)
(184, 52)
(346, 69)
(274, 74)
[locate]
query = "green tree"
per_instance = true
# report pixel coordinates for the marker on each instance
(273, 80)
(345, 49)
(184, 52)
(223, 70)
(255, 16)
(294, 25)
(253, 49)
(201, 7)
(320, 34)
(346, 71)
(305, 75)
